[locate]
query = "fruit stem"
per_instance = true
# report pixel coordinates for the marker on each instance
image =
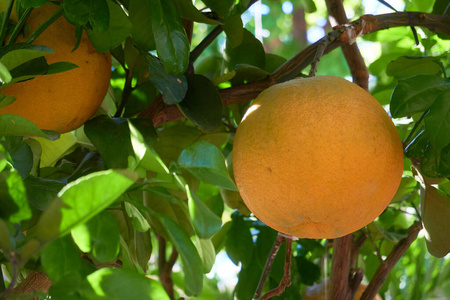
(5, 20)
(19, 25)
(45, 25)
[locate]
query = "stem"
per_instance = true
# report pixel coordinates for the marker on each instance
(270, 258)
(5, 20)
(340, 268)
(165, 267)
(19, 26)
(126, 92)
(411, 133)
(386, 267)
(286, 280)
(204, 44)
(45, 25)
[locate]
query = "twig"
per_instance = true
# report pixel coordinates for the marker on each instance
(416, 125)
(45, 25)
(126, 92)
(160, 113)
(355, 281)
(385, 268)
(340, 268)
(204, 44)
(286, 280)
(13, 259)
(319, 53)
(164, 272)
(352, 55)
(355, 250)
(5, 20)
(270, 258)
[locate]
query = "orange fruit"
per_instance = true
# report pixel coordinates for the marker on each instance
(317, 157)
(320, 291)
(62, 101)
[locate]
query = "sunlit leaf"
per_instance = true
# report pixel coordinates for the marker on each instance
(13, 198)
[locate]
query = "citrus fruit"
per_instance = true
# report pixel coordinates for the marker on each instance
(317, 157)
(319, 291)
(62, 101)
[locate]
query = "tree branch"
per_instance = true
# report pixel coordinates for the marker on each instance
(386, 267)
(161, 113)
(353, 56)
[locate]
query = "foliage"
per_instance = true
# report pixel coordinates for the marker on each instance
(125, 209)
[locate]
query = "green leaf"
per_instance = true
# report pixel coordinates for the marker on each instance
(6, 100)
(81, 200)
(100, 236)
(206, 162)
(416, 94)
(247, 73)
(41, 191)
(173, 88)
(59, 67)
(6, 241)
(308, 5)
(141, 248)
(250, 52)
(202, 103)
(239, 243)
(248, 279)
(5, 77)
(171, 40)
(32, 3)
(29, 70)
(24, 54)
(207, 253)
(118, 30)
(309, 271)
(138, 219)
(19, 126)
(60, 258)
(436, 163)
(435, 211)
(142, 32)
(111, 137)
(417, 146)
(437, 121)
(119, 284)
(13, 198)
(408, 66)
(205, 222)
(188, 11)
(94, 13)
(408, 187)
(191, 262)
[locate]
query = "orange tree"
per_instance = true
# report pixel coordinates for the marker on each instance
(131, 205)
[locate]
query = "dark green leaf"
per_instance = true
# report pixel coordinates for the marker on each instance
(22, 53)
(29, 69)
(60, 67)
(436, 163)
(13, 198)
(171, 40)
(408, 66)
(191, 262)
(206, 162)
(41, 191)
(188, 11)
(32, 3)
(435, 211)
(439, 7)
(173, 88)
(118, 284)
(22, 159)
(111, 137)
(141, 248)
(309, 271)
(437, 121)
(247, 73)
(248, 279)
(222, 7)
(239, 242)
(416, 94)
(60, 257)
(273, 62)
(250, 52)
(118, 30)
(234, 29)
(142, 32)
(99, 236)
(417, 146)
(202, 103)
(6, 240)
(88, 12)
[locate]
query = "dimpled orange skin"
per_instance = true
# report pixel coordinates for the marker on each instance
(317, 157)
(63, 101)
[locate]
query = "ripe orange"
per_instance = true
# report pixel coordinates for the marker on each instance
(319, 291)
(317, 157)
(62, 101)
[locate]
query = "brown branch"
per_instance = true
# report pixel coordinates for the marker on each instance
(286, 280)
(386, 267)
(355, 281)
(353, 56)
(270, 258)
(34, 282)
(161, 113)
(355, 250)
(164, 267)
(340, 268)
